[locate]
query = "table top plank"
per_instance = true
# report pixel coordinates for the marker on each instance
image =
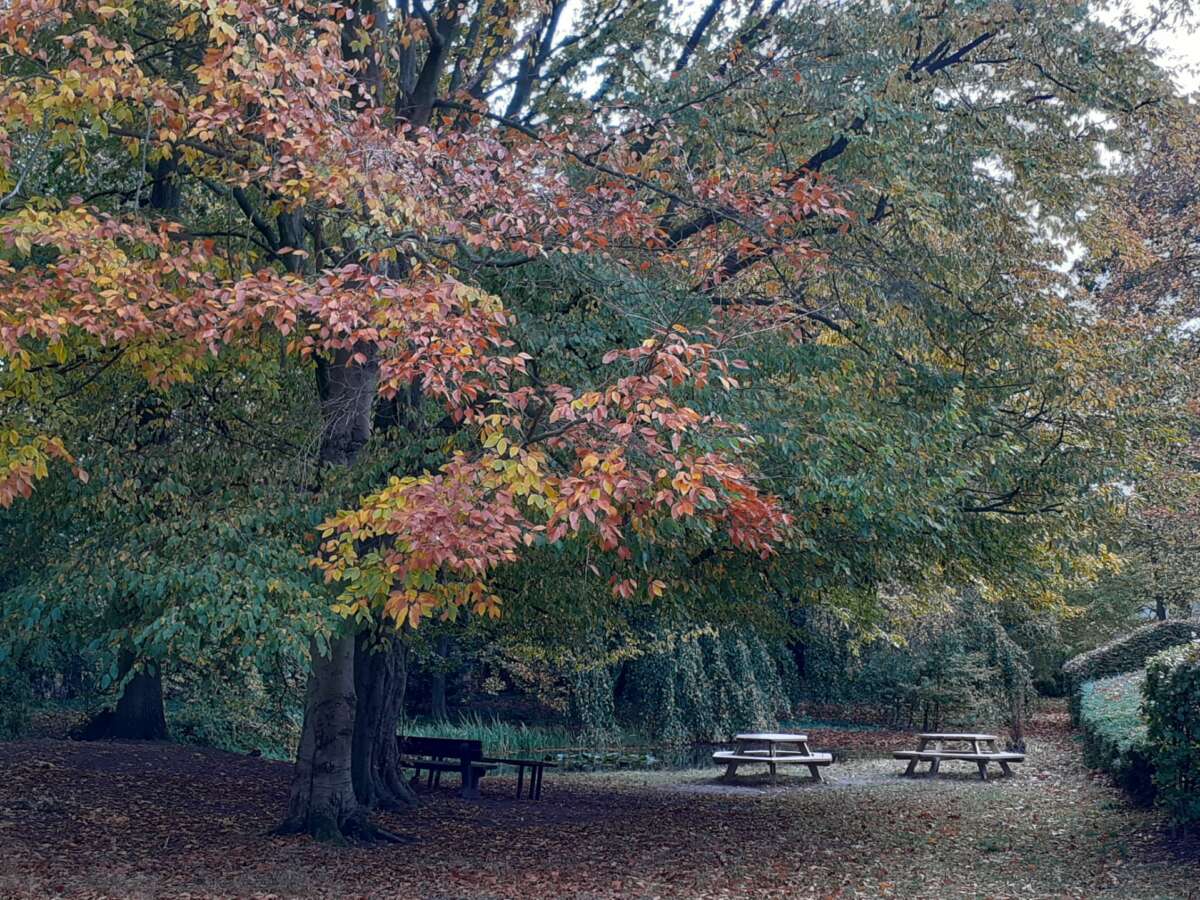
(772, 737)
(955, 736)
(782, 759)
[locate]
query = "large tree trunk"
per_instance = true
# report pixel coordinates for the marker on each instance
(437, 694)
(380, 678)
(138, 715)
(323, 802)
(323, 799)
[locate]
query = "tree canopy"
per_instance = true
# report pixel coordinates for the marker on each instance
(320, 321)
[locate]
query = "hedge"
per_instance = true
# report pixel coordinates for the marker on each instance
(1126, 654)
(1172, 708)
(1115, 734)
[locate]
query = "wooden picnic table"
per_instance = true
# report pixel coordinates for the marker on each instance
(437, 755)
(772, 749)
(978, 748)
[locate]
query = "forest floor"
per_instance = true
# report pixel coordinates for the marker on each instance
(138, 820)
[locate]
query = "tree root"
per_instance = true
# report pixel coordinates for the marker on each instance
(357, 829)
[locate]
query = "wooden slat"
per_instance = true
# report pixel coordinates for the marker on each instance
(816, 759)
(950, 754)
(771, 737)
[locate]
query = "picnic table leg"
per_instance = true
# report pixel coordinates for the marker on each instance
(521, 781)
(772, 767)
(470, 783)
(982, 770)
(912, 766)
(730, 771)
(1004, 768)
(816, 773)
(934, 765)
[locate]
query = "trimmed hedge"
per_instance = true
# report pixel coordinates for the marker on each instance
(1115, 734)
(1172, 692)
(1126, 654)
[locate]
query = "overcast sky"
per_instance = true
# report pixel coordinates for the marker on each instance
(1179, 49)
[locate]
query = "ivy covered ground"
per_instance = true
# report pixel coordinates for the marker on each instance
(89, 820)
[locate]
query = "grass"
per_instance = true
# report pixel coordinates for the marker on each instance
(499, 738)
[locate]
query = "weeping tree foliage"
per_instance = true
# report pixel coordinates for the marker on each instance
(702, 687)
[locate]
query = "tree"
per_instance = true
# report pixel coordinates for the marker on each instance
(374, 302)
(350, 197)
(1143, 267)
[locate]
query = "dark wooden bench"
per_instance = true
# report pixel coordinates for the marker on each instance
(438, 755)
(536, 768)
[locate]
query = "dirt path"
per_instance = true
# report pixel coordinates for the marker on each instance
(127, 820)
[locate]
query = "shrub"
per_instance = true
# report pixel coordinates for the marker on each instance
(1126, 654)
(1114, 732)
(1172, 709)
(957, 667)
(240, 710)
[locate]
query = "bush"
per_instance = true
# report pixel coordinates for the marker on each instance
(242, 710)
(1172, 710)
(1115, 734)
(1126, 654)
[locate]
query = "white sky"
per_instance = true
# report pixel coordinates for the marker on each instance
(1178, 47)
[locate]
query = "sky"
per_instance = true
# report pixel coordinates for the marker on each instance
(1178, 48)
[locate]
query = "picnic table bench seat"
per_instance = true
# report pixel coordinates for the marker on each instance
(982, 752)
(816, 759)
(437, 755)
(926, 755)
(780, 750)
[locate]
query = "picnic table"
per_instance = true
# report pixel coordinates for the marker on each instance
(437, 755)
(771, 749)
(980, 749)
(537, 768)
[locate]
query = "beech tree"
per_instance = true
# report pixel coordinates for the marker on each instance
(1143, 267)
(825, 350)
(366, 214)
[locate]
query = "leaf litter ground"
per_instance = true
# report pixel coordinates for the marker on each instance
(165, 820)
